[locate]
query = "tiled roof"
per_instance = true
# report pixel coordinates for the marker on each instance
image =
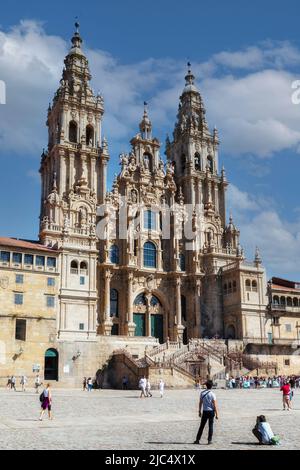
(285, 289)
(23, 244)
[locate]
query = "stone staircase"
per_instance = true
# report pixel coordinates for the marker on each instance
(180, 365)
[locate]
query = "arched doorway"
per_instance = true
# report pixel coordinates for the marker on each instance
(157, 319)
(231, 333)
(51, 364)
(148, 317)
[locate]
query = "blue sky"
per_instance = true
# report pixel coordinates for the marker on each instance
(245, 56)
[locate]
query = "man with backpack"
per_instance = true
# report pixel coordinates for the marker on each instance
(210, 411)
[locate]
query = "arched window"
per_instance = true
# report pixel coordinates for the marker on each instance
(90, 136)
(74, 267)
(183, 163)
(248, 285)
(114, 303)
(73, 132)
(150, 251)
(234, 286)
(289, 302)
(114, 254)
(210, 163)
(83, 268)
(276, 300)
(182, 262)
(282, 301)
(229, 287)
(254, 286)
(295, 302)
(154, 301)
(183, 307)
(197, 162)
(140, 300)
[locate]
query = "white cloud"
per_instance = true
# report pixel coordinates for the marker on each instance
(256, 105)
(262, 226)
(273, 54)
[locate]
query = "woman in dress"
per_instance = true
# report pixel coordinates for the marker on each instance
(46, 400)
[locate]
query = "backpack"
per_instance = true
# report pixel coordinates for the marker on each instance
(42, 397)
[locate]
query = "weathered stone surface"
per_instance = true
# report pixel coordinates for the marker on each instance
(115, 420)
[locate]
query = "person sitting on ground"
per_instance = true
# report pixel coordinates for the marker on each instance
(263, 432)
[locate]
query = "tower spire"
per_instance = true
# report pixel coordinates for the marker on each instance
(76, 39)
(190, 80)
(146, 125)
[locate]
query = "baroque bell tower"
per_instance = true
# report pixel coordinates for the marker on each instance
(194, 154)
(73, 172)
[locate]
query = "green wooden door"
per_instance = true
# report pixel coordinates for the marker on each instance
(140, 324)
(157, 327)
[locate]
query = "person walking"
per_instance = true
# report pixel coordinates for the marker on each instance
(37, 383)
(8, 386)
(84, 384)
(292, 383)
(142, 386)
(210, 411)
(13, 381)
(148, 389)
(90, 384)
(286, 391)
(23, 383)
(125, 383)
(46, 401)
(161, 388)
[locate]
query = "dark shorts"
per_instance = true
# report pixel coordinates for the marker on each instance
(46, 404)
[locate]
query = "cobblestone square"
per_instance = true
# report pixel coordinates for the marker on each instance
(119, 420)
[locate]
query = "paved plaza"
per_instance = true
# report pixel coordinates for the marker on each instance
(119, 420)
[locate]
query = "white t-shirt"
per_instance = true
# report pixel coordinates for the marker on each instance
(208, 397)
(266, 432)
(143, 383)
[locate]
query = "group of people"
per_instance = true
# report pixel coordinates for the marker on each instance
(250, 382)
(145, 387)
(12, 381)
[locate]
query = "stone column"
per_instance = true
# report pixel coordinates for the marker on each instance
(107, 325)
(179, 326)
(62, 175)
(148, 315)
(71, 170)
(103, 190)
(197, 332)
(130, 322)
(93, 175)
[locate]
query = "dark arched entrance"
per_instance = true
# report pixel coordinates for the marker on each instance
(231, 333)
(51, 364)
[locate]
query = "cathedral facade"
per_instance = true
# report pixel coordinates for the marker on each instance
(154, 260)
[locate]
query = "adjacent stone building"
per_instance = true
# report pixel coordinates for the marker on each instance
(154, 260)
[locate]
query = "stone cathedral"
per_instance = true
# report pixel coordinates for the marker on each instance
(155, 261)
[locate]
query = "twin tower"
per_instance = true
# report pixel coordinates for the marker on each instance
(143, 284)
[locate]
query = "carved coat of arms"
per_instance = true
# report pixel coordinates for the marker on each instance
(4, 282)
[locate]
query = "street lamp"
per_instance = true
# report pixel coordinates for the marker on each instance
(76, 356)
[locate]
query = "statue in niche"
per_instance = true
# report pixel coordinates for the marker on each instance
(134, 198)
(146, 162)
(82, 216)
